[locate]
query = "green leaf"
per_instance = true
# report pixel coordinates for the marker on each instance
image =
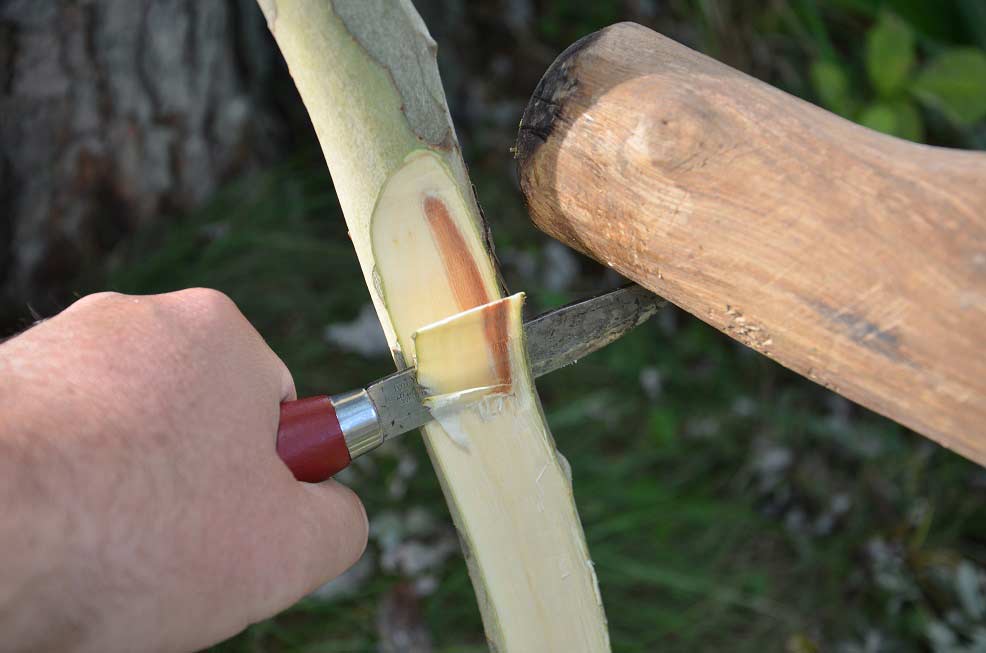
(889, 54)
(898, 118)
(879, 116)
(908, 121)
(831, 85)
(955, 84)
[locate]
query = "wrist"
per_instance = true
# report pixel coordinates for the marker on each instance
(39, 535)
(34, 536)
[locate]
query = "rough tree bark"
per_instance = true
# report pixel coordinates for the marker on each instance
(114, 112)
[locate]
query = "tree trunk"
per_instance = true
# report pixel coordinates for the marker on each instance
(114, 112)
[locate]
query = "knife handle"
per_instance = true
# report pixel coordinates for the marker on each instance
(317, 437)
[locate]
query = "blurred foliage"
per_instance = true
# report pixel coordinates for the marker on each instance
(729, 504)
(951, 79)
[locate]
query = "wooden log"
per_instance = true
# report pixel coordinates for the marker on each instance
(849, 256)
(367, 73)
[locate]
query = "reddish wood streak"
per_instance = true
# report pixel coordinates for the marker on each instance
(495, 324)
(463, 275)
(467, 283)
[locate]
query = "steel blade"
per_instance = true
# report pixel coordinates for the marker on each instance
(555, 339)
(398, 402)
(566, 334)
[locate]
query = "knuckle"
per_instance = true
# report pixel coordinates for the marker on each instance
(205, 304)
(208, 298)
(97, 299)
(106, 295)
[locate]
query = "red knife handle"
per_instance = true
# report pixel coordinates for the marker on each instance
(310, 439)
(319, 436)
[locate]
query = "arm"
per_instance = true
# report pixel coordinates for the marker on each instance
(143, 503)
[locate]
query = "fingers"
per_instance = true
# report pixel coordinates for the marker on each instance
(343, 527)
(322, 531)
(288, 391)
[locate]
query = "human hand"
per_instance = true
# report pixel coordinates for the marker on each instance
(144, 505)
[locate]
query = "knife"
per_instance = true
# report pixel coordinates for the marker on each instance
(320, 436)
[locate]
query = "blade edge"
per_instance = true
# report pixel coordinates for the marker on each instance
(554, 339)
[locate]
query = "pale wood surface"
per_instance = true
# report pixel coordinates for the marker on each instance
(366, 71)
(851, 257)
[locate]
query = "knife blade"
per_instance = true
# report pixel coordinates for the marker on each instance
(319, 436)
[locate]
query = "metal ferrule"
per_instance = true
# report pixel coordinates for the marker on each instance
(359, 421)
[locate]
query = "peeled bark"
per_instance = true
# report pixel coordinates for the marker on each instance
(367, 74)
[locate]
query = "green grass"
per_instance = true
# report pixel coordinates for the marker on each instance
(697, 545)
(739, 507)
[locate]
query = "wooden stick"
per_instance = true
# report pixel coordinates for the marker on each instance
(366, 71)
(851, 257)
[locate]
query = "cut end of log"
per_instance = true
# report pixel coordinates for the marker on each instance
(546, 103)
(562, 95)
